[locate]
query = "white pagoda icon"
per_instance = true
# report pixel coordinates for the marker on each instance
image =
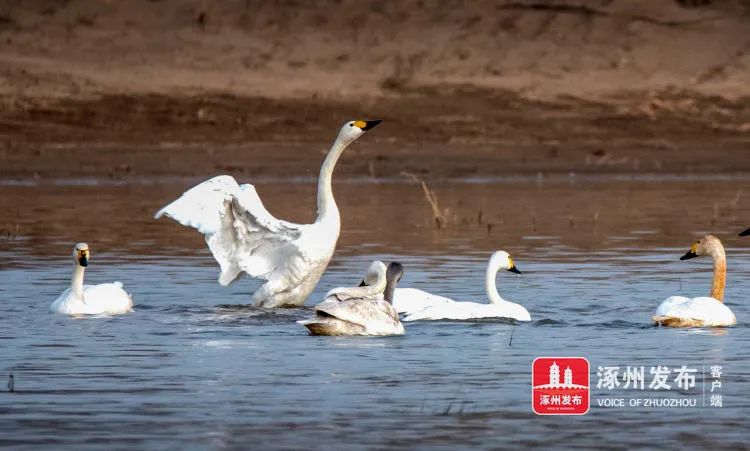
(554, 378)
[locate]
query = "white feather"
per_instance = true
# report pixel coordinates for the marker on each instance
(470, 310)
(703, 311)
(102, 299)
(679, 311)
(80, 299)
(375, 315)
(358, 310)
(411, 300)
(419, 305)
(244, 237)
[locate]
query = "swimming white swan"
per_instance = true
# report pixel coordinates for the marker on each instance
(244, 237)
(437, 307)
(80, 299)
(679, 311)
(364, 310)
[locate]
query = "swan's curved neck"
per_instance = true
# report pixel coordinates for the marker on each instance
(76, 282)
(390, 291)
(327, 209)
(720, 275)
(362, 291)
(491, 286)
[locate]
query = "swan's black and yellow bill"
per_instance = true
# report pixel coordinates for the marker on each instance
(83, 258)
(513, 268)
(691, 253)
(745, 233)
(367, 125)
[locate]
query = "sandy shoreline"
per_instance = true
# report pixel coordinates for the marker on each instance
(445, 132)
(465, 89)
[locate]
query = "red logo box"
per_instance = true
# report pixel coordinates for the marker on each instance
(560, 386)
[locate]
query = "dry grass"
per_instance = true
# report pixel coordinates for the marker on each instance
(441, 216)
(10, 231)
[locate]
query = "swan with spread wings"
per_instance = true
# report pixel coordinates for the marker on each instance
(245, 238)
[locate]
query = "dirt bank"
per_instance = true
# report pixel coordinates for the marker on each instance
(447, 132)
(350, 48)
(126, 89)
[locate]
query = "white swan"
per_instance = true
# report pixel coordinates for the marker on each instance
(679, 311)
(365, 310)
(437, 307)
(244, 237)
(80, 299)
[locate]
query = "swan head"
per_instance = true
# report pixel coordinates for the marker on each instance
(745, 233)
(502, 260)
(373, 283)
(81, 254)
(354, 129)
(708, 245)
(394, 273)
(375, 271)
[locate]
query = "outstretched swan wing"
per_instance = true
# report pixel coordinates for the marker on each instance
(241, 234)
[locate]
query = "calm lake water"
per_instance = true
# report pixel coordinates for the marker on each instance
(192, 368)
